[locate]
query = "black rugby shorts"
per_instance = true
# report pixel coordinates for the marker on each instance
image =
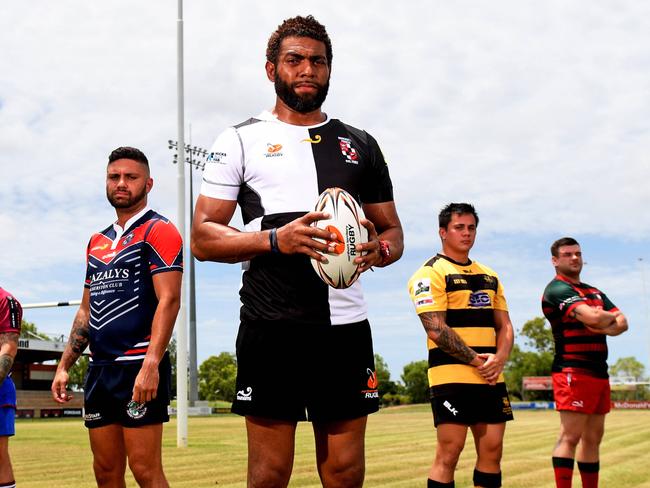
(299, 372)
(108, 391)
(471, 404)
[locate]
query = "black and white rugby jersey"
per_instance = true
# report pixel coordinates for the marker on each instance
(276, 171)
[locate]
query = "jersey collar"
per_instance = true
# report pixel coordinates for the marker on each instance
(119, 231)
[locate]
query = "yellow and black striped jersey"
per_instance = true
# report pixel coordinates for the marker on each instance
(468, 293)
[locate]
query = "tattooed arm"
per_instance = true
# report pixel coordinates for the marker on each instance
(77, 343)
(8, 350)
(446, 338)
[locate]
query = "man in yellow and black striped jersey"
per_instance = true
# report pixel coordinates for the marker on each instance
(463, 310)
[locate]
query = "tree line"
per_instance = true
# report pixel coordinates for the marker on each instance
(534, 357)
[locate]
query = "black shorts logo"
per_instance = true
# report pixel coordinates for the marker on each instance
(136, 410)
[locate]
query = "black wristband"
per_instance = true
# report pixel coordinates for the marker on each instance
(273, 239)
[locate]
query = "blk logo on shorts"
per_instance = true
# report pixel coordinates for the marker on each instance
(449, 407)
(578, 404)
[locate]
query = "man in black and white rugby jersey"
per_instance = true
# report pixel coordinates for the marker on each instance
(304, 350)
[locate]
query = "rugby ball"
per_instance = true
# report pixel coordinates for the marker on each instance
(345, 221)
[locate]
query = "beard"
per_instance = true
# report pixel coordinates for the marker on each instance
(129, 202)
(302, 104)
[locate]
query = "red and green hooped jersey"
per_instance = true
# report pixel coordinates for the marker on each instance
(577, 349)
(120, 267)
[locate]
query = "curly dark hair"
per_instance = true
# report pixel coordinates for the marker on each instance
(127, 152)
(444, 217)
(298, 27)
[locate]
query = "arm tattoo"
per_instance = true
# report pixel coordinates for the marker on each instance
(6, 362)
(79, 336)
(445, 337)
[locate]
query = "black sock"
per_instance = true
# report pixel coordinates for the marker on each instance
(488, 480)
(438, 484)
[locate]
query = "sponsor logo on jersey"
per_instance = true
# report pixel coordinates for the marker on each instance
(317, 138)
(128, 239)
(111, 274)
(423, 286)
(569, 301)
(100, 248)
(424, 301)
(273, 150)
(246, 396)
(479, 299)
(449, 407)
(372, 385)
(216, 157)
(136, 410)
(109, 255)
(349, 153)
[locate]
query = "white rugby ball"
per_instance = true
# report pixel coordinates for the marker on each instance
(345, 221)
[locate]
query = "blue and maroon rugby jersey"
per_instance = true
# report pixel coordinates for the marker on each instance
(120, 266)
(577, 349)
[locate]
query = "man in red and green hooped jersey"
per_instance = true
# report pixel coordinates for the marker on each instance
(581, 317)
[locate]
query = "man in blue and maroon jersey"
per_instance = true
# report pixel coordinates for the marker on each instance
(11, 314)
(581, 317)
(130, 302)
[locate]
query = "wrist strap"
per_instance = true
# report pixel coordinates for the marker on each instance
(273, 240)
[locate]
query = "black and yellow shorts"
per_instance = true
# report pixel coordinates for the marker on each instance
(471, 404)
(293, 372)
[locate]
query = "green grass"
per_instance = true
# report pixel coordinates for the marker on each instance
(399, 447)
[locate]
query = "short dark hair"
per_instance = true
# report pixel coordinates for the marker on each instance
(127, 152)
(565, 241)
(298, 27)
(444, 217)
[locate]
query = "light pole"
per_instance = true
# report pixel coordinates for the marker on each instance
(195, 157)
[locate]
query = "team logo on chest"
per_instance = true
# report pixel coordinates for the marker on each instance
(127, 239)
(349, 153)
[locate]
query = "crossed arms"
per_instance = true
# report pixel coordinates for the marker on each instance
(600, 321)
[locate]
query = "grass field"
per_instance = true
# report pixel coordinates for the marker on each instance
(400, 444)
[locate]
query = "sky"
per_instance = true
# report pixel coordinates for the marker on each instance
(536, 112)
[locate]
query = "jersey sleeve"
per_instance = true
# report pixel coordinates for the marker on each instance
(224, 169)
(607, 303)
(89, 267)
(11, 314)
(377, 187)
(562, 297)
(428, 290)
(500, 298)
(166, 247)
